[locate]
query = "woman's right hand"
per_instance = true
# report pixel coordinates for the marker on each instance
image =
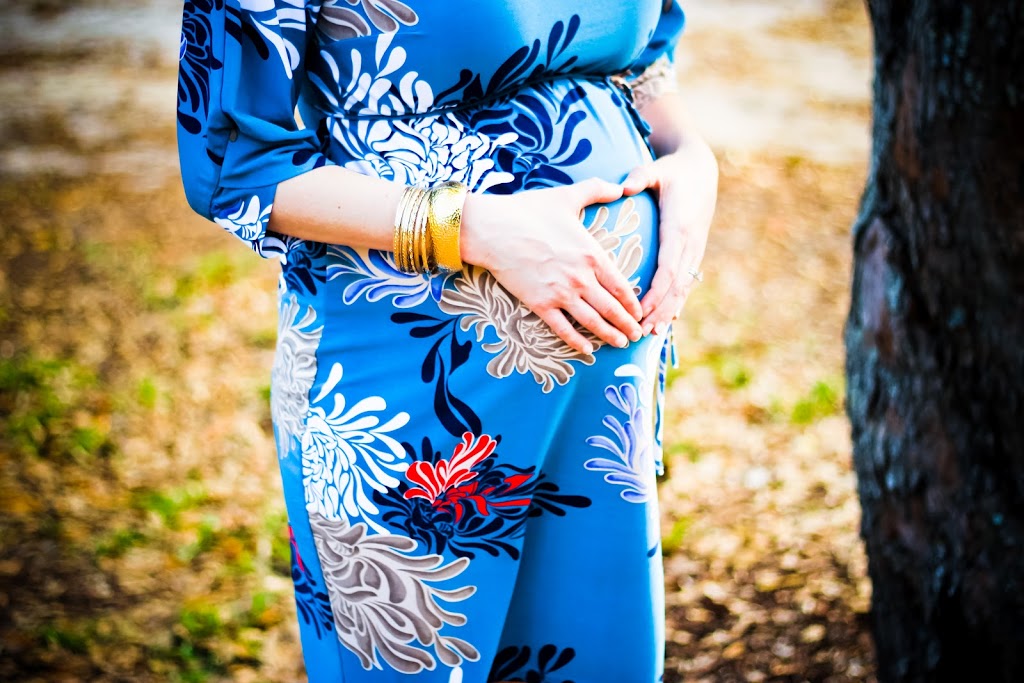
(536, 246)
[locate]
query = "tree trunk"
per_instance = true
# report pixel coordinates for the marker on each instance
(935, 342)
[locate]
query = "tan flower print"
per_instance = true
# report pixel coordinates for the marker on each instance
(525, 342)
(383, 604)
(337, 22)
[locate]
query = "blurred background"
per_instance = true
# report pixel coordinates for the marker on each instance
(142, 526)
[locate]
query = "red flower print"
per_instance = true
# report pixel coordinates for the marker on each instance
(443, 483)
(471, 502)
(471, 493)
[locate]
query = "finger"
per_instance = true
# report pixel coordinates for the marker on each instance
(612, 279)
(667, 310)
(660, 286)
(669, 307)
(670, 254)
(596, 191)
(564, 329)
(658, 307)
(588, 317)
(612, 310)
(638, 180)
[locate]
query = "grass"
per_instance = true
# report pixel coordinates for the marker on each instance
(168, 505)
(821, 400)
(54, 409)
(147, 393)
(116, 543)
(689, 449)
(673, 540)
(70, 637)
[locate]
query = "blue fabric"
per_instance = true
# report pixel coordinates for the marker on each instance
(469, 499)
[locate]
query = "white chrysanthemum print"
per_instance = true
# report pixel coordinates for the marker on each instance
(376, 276)
(632, 464)
(383, 604)
(419, 151)
(272, 18)
(634, 442)
(371, 90)
(293, 372)
(525, 342)
(429, 150)
(247, 220)
(347, 452)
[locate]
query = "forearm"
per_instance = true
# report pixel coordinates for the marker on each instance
(335, 205)
(672, 128)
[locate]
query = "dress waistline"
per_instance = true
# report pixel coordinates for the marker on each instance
(617, 80)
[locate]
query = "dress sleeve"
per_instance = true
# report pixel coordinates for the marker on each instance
(240, 71)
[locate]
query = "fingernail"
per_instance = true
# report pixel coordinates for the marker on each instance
(659, 329)
(636, 334)
(588, 348)
(647, 328)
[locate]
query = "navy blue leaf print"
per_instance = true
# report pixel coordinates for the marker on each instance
(460, 352)
(521, 65)
(311, 601)
(513, 66)
(455, 414)
(304, 269)
(574, 95)
(402, 317)
(556, 33)
(513, 664)
(574, 25)
(428, 369)
(302, 157)
(465, 78)
(240, 28)
(541, 123)
(196, 61)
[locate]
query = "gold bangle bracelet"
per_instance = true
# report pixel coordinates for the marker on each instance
(417, 231)
(410, 207)
(407, 232)
(444, 223)
(425, 251)
(401, 233)
(427, 228)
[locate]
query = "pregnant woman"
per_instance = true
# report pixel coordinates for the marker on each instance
(487, 220)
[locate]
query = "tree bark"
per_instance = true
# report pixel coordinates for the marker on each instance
(935, 342)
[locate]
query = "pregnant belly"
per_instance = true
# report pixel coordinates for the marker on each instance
(554, 133)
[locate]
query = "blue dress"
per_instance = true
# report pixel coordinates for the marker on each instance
(469, 499)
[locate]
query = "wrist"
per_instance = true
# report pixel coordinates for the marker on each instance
(473, 245)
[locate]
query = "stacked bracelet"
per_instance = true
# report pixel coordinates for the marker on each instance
(427, 227)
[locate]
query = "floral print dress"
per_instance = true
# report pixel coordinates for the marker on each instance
(469, 499)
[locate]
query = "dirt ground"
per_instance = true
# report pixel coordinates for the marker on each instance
(142, 531)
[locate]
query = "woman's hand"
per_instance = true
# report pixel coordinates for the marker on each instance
(536, 246)
(686, 182)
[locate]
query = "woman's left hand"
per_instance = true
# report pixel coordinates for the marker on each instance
(686, 183)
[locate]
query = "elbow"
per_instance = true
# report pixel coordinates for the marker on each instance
(200, 177)
(198, 198)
